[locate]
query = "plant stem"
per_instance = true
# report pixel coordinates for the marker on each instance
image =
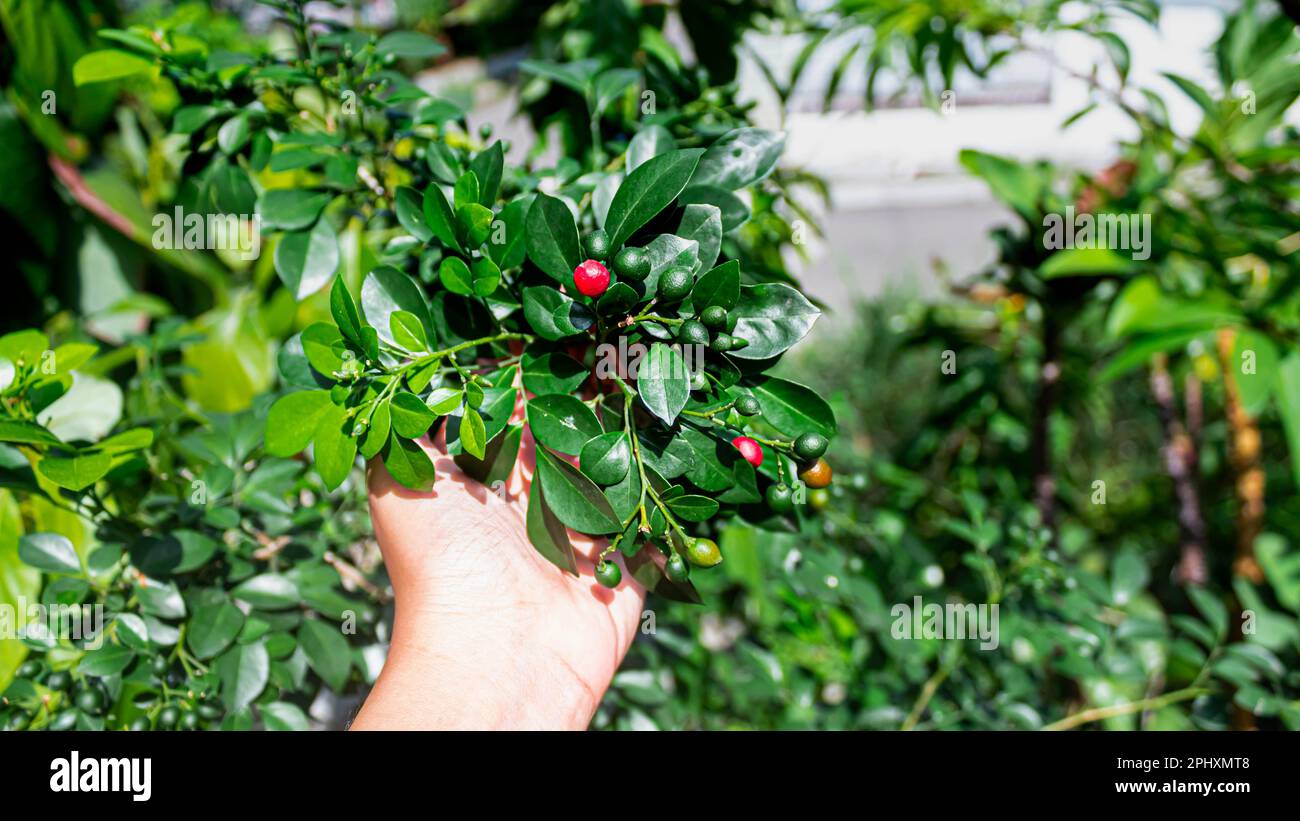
(1100, 713)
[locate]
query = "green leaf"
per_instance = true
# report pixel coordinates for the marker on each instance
(409, 464)
(213, 627)
(333, 447)
(498, 460)
(1018, 185)
(439, 217)
(411, 417)
(455, 276)
(466, 190)
(268, 591)
(487, 166)
(720, 287)
(131, 631)
(551, 371)
(161, 599)
(476, 220)
(575, 499)
(292, 421)
(381, 423)
(487, 276)
(552, 238)
(23, 432)
(1255, 368)
(771, 318)
(606, 458)
(108, 64)
(739, 158)
(792, 408)
(282, 716)
(663, 382)
(177, 551)
(387, 289)
(291, 209)
(732, 210)
(51, 552)
(443, 400)
(472, 436)
(76, 472)
(647, 191)
(647, 144)
(562, 422)
(305, 260)
(702, 222)
(693, 508)
(409, 44)
(344, 310)
(553, 315)
(1085, 262)
(108, 660)
(1211, 608)
(1288, 405)
(243, 671)
(548, 534)
(578, 75)
(327, 652)
(508, 242)
(407, 331)
(410, 213)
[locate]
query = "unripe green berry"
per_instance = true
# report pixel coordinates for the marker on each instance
(596, 244)
(674, 285)
(809, 446)
(632, 264)
(714, 317)
(747, 405)
(608, 574)
(691, 332)
(721, 343)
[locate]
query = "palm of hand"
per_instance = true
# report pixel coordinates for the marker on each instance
(460, 555)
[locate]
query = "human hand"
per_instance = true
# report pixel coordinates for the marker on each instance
(487, 633)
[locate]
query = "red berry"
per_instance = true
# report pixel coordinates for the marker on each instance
(749, 449)
(591, 278)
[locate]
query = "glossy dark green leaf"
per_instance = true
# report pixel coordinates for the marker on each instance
(720, 287)
(473, 437)
(306, 260)
(291, 209)
(552, 238)
(291, 423)
(327, 652)
(268, 591)
(562, 422)
(498, 459)
(508, 242)
(283, 716)
(377, 432)
(407, 331)
(213, 627)
(408, 464)
(771, 317)
(410, 212)
(548, 534)
(739, 158)
(108, 660)
(387, 289)
(333, 447)
(792, 408)
(663, 382)
(243, 671)
(455, 276)
(553, 315)
(647, 191)
(693, 508)
(551, 371)
(606, 458)
(51, 552)
(411, 418)
(411, 44)
(344, 310)
(487, 166)
(575, 499)
(648, 143)
(439, 217)
(702, 222)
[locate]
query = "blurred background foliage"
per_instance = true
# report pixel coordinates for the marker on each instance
(1172, 604)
